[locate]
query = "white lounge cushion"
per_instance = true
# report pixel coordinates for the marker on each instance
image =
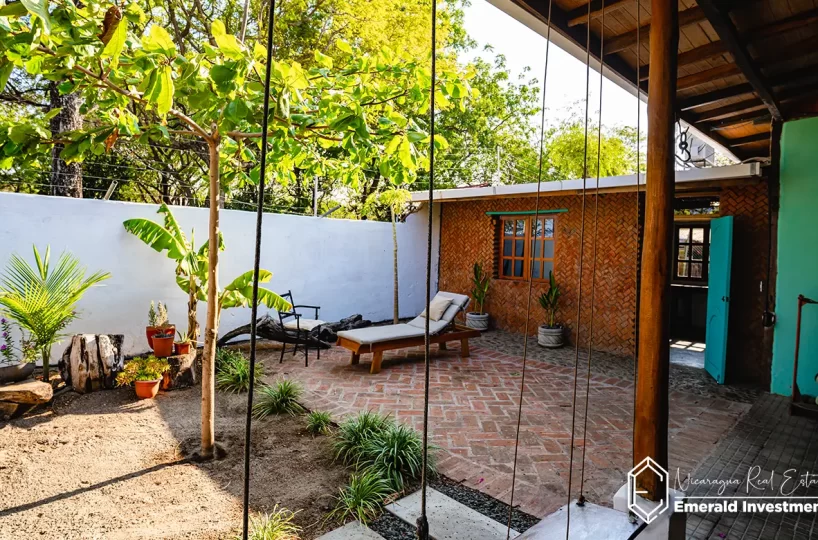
(377, 334)
(434, 326)
(437, 307)
(459, 303)
(303, 324)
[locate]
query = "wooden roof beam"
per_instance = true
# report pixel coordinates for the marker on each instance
(580, 15)
(706, 76)
(621, 42)
(751, 139)
(692, 56)
(789, 24)
(728, 34)
(754, 104)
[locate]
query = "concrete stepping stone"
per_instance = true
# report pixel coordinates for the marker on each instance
(591, 522)
(351, 531)
(449, 519)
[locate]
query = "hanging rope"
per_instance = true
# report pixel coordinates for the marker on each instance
(422, 522)
(581, 501)
(579, 280)
(256, 264)
(530, 275)
(638, 205)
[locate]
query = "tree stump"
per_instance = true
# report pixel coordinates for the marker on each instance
(181, 373)
(92, 361)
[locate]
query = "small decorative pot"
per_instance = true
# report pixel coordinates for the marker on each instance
(16, 373)
(147, 389)
(181, 348)
(478, 321)
(551, 338)
(162, 346)
(151, 331)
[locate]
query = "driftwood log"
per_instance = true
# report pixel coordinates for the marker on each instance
(92, 361)
(323, 336)
(182, 372)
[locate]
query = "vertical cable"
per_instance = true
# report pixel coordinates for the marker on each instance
(530, 273)
(581, 500)
(422, 522)
(256, 264)
(579, 284)
(638, 208)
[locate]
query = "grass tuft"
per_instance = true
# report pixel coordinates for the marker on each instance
(233, 371)
(396, 454)
(319, 423)
(277, 525)
(362, 498)
(354, 432)
(280, 398)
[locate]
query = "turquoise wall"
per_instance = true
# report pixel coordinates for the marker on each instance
(797, 258)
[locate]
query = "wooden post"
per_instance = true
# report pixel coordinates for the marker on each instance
(652, 386)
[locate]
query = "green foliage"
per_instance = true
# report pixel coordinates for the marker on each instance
(157, 315)
(396, 454)
(362, 498)
(277, 525)
(354, 432)
(549, 300)
(319, 423)
(480, 286)
(233, 371)
(140, 368)
(280, 398)
(42, 299)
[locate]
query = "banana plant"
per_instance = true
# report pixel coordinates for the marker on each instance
(549, 300)
(192, 268)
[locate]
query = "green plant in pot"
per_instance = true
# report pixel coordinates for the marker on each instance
(550, 334)
(183, 344)
(480, 288)
(158, 323)
(145, 373)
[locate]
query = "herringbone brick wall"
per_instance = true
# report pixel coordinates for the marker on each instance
(749, 355)
(467, 236)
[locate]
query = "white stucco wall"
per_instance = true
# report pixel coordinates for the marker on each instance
(342, 265)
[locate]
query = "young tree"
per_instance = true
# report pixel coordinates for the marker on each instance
(334, 119)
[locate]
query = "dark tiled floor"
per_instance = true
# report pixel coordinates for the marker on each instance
(767, 438)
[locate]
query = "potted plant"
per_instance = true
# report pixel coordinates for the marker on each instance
(182, 346)
(480, 282)
(163, 344)
(145, 374)
(550, 334)
(158, 322)
(14, 368)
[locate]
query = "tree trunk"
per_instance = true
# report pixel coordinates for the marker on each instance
(192, 320)
(212, 322)
(46, 354)
(396, 314)
(66, 180)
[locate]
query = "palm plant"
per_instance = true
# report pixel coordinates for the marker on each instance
(549, 301)
(42, 299)
(480, 280)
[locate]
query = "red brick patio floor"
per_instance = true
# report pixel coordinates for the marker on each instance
(473, 416)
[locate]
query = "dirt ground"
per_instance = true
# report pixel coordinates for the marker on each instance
(102, 466)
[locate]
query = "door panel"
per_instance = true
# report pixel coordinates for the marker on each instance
(718, 297)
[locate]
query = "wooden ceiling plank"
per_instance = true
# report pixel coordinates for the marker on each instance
(751, 139)
(798, 20)
(708, 75)
(754, 117)
(740, 107)
(692, 56)
(729, 35)
(628, 39)
(580, 15)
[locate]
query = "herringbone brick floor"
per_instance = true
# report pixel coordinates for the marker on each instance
(473, 415)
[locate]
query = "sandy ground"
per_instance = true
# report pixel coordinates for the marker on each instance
(102, 466)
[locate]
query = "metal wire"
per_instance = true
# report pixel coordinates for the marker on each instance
(530, 277)
(422, 522)
(256, 265)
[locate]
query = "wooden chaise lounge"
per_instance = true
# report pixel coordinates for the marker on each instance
(377, 339)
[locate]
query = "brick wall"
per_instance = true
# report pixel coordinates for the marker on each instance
(467, 236)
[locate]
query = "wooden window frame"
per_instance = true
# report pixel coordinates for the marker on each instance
(705, 262)
(527, 257)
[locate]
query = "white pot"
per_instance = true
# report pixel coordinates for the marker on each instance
(478, 321)
(551, 338)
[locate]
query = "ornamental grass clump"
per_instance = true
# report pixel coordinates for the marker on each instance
(319, 423)
(396, 454)
(277, 525)
(354, 432)
(233, 371)
(362, 498)
(280, 398)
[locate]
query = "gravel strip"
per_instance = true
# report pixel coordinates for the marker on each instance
(393, 528)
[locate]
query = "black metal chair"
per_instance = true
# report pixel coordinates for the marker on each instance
(294, 324)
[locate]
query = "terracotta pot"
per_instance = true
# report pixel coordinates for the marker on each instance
(147, 389)
(162, 347)
(182, 348)
(151, 331)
